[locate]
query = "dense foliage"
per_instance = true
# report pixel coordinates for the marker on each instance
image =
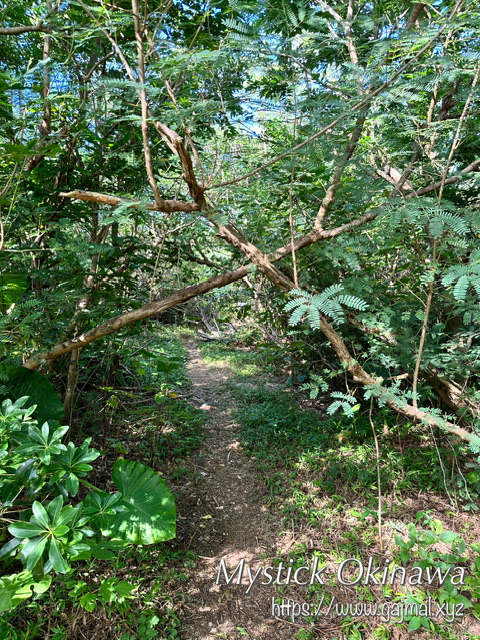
(370, 114)
(313, 165)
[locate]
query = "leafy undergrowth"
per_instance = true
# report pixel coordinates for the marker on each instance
(134, 594)
(321, 472)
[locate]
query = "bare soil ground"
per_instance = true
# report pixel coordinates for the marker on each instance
(222, 517)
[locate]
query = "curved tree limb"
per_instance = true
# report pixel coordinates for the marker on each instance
(360, 375)
(135, 315)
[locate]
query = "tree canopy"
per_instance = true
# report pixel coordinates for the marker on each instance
(322, 155)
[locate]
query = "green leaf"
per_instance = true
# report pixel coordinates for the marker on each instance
(58, 434)
(61, 530)
(123, 588)
(150, 514)
(37, 435)
(72, 484)
(448, 536)
(45, 456)
(55, 508)
(40, 515)
(19, 381)
(9, 548)
(56, 558)
(17, 587)
(33, 550)
(25, 530)
(102, 553)
(414, 624)
(88, 601)
(108, 549)
(112, 588)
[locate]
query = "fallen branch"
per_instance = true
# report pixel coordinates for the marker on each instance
(360, 375)
(473, 166)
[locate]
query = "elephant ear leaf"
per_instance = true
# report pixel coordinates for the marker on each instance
(17, 381)
(149, 508)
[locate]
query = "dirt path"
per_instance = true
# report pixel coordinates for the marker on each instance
(222, 517)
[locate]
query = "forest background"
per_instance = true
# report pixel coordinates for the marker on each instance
(304, 175)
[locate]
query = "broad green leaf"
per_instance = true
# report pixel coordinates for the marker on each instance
(41, 516)
(25, 529)
(37, 435)
(414, 624)
(55, 508)
(19, 381)
(45, 456)
(9, 547)
(61, 530)
(72, 484)
(98, 551)
(448, 536)
(56, 558)
(58, 434)
(33, 550)
(16, 588)
(150, 515)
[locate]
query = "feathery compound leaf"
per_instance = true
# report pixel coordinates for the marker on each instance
(352, 302)
(329, 303)
(461, 288)
(465, 276)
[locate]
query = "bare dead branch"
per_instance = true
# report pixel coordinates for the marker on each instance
(360, 375)
(167, 206)
(112, 41)
(45, 128)
(339, 169)
(456, 140)
(473, 166)
(125, 319)
(415, 13)
(175, 144)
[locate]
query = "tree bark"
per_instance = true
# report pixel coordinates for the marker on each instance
(167, 206)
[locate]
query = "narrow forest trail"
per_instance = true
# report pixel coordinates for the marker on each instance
(222, 517)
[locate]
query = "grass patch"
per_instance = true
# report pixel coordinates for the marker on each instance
(316, 457)
(163, 436)
(134, 597)
(321, 473)
(243, 362)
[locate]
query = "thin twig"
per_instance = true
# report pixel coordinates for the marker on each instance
(377, 453)
(456, 140)
(147, 153)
